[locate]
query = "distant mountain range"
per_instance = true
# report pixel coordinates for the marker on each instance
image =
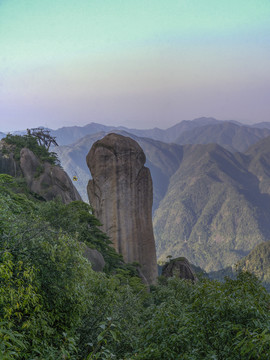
(184, 132)
(68, 135)
(231, 134)
(227, 134)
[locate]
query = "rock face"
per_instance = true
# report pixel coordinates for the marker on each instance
(45, 179)
(7, 163)
(179, 267)
(121, 194)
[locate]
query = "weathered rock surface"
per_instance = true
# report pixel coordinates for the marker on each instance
(179, 267)
(7, 163)
(121, 194)
(46, 180)
(95, 258)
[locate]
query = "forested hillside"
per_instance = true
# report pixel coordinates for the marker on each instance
(54, 306)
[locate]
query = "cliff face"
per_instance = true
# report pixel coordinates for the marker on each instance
(121, 194)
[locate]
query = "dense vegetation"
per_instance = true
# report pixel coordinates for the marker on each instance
(54, 306)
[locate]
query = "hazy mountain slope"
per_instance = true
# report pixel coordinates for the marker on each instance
(259, 155)
(176, 130)
(162, 159)
(227, 134)
(172, 133)
(258, 262)
(70, 134)
(213, 212)
(2, 135)
(262, 125)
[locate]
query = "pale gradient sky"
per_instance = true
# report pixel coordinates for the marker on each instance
(138, 63)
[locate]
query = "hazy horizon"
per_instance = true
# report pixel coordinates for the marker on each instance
(118, 125)
(140, 64)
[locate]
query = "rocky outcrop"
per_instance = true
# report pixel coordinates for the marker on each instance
(7, 163)
(121, 195)
(179, 267)
(95, 258)
(46, 180)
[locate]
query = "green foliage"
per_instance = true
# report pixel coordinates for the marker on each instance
(54, 306)
(208, 320)
(30, 142)
(77, 220)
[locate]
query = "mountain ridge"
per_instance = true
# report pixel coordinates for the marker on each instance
(214, 212)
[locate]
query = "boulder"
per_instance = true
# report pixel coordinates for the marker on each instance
(179, 267)
(121, 194)
(45, 179)
(95, 258)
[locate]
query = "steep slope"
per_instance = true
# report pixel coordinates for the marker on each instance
(162, 159)
(227, 134)
(259, 155)
(213, 212)
(262, 125)
(175, 131)
(258, 262)
(172, 133)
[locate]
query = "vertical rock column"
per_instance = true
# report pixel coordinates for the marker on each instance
(121, 195)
